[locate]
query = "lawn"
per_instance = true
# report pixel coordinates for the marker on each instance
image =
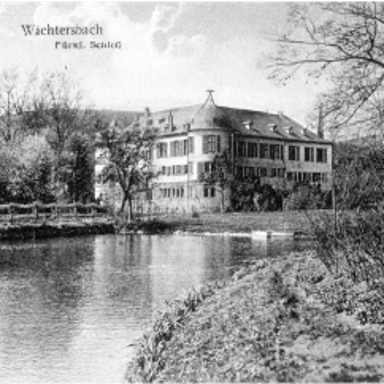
(295, 221)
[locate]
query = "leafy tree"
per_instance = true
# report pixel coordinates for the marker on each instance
(80, 169)
(343, 42)
(26, 171)
(220, 176)
(129, 161)
(64, 116)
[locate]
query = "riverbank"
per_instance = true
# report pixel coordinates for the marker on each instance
(297, 222)
(283, 320)
(26, 231)
(229, 223)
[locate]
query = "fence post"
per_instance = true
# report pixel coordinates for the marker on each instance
(10, 213)
(36, 212)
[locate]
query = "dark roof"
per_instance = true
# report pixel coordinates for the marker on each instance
(241, 121)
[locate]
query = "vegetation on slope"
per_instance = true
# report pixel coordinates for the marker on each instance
(281, 320)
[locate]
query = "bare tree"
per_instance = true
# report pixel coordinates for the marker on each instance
(16, 103)
(345, 43)
(64, 111)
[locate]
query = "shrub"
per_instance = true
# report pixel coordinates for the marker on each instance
(350, 246)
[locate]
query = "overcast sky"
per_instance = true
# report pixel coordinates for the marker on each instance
(171, 53)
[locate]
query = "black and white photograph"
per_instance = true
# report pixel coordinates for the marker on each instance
(191, 192)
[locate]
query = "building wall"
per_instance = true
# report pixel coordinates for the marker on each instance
(178, 190)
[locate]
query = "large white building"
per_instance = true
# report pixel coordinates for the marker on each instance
(272, 146)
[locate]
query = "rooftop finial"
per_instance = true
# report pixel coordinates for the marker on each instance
(210, 96)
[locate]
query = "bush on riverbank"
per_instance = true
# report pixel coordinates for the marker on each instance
(275, 321)
(351, 243)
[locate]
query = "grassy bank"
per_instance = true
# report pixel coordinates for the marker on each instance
(286, 320)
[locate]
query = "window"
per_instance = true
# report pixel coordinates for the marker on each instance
(241, 149)
(316, 177)
(185, 169)
(205, 167)
(324, 177)
(263, 172)
(252, 150)
(290, 176)
(239, 171)
(277, 172)
(293, 153)
(185, 147)
(249, 171)
(309, 154)
(191, 144)
(211, 144)
(276, 151)
(162, 150)
(175, 148)
(163, 170)
(209, 192)
(191, 168)
(264, 151)
(321, 155)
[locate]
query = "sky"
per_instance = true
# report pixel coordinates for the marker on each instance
(171, 53)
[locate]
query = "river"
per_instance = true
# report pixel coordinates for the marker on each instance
(70, 308)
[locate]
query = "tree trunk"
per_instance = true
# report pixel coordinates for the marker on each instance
(125, 198)
(130, 210)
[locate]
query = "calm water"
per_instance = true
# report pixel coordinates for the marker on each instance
(70, 308)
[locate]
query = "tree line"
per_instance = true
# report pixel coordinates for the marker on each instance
(47, 136)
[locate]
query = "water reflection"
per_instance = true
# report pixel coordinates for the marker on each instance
(70, 307)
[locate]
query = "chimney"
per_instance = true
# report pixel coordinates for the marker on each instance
(170, 121)
(320, 126)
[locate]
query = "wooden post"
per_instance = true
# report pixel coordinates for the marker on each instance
(36, 212)
(10, 213)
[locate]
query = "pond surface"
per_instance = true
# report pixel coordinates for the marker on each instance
(70, 308)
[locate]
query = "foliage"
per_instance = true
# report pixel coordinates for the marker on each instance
(80, 169)
(343, 43)
(273, 321)
(304, 197)
(220, 175)
(149, 359)
(129, 161)
(358, 176)
(46, 107)
(26, 172)
(351, 247)
(243, 193)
